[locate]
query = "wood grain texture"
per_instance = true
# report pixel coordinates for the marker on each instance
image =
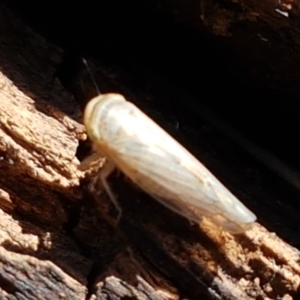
(60, 241)
(53, 245)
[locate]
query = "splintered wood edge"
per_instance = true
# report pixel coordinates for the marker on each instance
(37, 159)
(258, 263)
(141, 282)
(254, 264)
(26, 271)
(36, 144)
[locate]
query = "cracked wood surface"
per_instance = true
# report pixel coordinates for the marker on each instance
(40, 255)
(57, 243)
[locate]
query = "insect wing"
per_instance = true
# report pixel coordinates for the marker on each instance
(159, 165)
(167, 171)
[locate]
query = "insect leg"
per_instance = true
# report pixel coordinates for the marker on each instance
(104, 173)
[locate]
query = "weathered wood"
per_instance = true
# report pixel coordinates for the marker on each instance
(38, 177)
(57, 242)
(42, 254)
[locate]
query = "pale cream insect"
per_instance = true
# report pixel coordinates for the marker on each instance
(157, 163)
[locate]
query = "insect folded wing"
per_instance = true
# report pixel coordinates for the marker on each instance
(192, 192)
(157, 163)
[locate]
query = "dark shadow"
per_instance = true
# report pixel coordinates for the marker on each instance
(148, 44)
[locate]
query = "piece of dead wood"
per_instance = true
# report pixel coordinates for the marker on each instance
(54, 245)
(45, 253)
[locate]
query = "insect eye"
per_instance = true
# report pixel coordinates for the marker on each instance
(93, 133)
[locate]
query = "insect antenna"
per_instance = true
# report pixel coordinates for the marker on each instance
(91, 75)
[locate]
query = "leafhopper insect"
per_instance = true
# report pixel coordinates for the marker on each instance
(159, 165)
